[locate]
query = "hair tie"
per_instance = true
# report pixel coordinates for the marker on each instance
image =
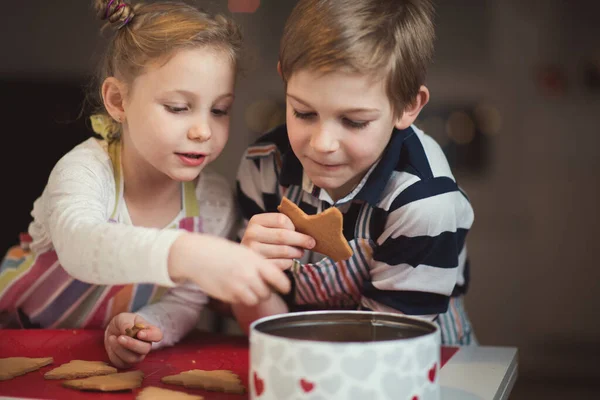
(108, 8)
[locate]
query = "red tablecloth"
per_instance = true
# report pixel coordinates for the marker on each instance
(198, 351)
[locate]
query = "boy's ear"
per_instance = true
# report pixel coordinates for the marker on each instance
(113, 95)
(411, 112)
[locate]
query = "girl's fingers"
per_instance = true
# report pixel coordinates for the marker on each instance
(273, 251)
(273, 275)
(135, 346)
(150, 334)
(127, 356)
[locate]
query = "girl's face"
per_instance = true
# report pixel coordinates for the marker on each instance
(177, 114)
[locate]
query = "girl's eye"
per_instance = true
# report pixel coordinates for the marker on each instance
(175, 109)
(355, 124)
(300, 115)
(219, 113)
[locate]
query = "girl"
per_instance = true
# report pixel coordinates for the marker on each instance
(102, 247)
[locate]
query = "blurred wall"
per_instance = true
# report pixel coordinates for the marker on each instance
(535, 277)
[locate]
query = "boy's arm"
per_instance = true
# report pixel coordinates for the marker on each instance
(416, 261)
(176, 313)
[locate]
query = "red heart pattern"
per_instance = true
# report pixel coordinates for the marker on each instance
(306, 385)
(432, 373)
(259, 385)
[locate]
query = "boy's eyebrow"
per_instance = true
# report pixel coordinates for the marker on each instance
(349, 110)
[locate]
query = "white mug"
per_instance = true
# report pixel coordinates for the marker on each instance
(346, 355)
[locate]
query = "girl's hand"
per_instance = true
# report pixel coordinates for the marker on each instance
(124, 351)
(224, 269)
(273, 235)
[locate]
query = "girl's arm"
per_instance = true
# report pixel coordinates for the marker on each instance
(72, 217)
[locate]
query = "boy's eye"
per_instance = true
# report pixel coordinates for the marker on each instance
(355, 124)
(219, 112)
(300, 115)
(175, 109)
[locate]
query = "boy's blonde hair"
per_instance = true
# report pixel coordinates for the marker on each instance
(153, 32)
(391, 39)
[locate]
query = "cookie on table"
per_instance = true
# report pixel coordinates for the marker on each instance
(16, 366)
(218, 381)
(108, 383)
(80, 369)
(156, 393)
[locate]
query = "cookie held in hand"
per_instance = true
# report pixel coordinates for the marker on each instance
(325, 228)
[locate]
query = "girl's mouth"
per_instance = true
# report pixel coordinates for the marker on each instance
(191, 159)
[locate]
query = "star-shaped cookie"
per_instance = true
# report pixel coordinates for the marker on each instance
(325, 228)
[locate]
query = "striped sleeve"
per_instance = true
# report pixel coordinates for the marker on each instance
(415, 265)
(257, 183)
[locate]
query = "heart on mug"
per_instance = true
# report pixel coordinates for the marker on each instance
(307, 386)
(259, 384)
(314, 363)
(432, 372)
(360, 366)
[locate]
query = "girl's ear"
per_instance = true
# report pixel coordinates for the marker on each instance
(113, 95)
(411, 112)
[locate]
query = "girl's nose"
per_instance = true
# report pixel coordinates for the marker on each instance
(199, 132)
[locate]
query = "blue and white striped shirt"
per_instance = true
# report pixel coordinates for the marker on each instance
(406, 222)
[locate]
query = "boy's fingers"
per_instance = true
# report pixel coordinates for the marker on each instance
(150, 334)
(273, 220)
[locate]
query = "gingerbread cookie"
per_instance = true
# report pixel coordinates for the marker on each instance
(218, 381)
(80, 369)
(325, 228)
(16, 366)
(108, 383)
(156, 393)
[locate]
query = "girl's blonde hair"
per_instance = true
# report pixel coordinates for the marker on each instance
(146, 33)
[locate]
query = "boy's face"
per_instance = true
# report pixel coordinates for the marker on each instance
(338, 125)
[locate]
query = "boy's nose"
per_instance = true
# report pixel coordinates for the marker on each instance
(324, 141)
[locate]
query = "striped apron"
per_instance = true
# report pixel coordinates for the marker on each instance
(37, 292)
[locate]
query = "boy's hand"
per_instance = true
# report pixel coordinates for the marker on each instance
(124, 351)
(224, 269)
(274, 236)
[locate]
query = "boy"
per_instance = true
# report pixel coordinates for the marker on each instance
(354, 73)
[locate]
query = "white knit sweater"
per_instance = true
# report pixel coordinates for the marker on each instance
(71, 216)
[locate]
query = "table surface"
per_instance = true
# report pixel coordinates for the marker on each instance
(467, 373)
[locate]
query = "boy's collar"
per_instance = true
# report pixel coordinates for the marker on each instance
(374, 182)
